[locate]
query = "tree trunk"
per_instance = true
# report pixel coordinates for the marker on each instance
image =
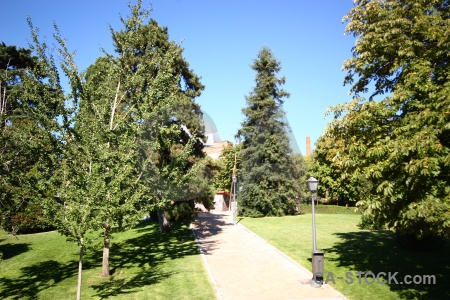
(80, 268)
(105, 262)
(164, 224)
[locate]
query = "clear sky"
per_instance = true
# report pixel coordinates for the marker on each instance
(221, 38)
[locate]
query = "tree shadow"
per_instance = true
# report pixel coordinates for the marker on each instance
(122, 286)
(207, 227)
(11, 250)
(36, 278)
(377, 251)
(148, 252)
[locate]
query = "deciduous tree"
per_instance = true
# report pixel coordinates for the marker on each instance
(400, 143)
(226, 163)
(136, 143)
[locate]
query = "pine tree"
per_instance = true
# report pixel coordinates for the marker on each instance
(266, 164)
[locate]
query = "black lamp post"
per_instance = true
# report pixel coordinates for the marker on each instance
(312, 184)
(317, 256)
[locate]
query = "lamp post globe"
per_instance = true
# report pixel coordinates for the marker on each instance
(312, 184)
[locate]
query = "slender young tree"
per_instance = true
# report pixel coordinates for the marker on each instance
(136, 143)
(266, 163)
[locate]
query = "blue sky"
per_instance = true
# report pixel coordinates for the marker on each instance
(220, 40)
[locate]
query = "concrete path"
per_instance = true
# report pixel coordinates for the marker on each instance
(244, 266)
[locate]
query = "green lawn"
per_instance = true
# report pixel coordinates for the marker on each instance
(349, 249)
(145, 265)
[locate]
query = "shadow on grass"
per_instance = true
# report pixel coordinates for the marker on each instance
(377, 251)
(11, 250)
(141, 255)
(36, 278)
(147, 252)
(122, 286)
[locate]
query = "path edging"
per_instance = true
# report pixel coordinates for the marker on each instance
(205, 263)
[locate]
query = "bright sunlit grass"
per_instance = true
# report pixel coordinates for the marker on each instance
(350, 249)
(145, 264)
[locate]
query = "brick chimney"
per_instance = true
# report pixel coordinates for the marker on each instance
(308, 146)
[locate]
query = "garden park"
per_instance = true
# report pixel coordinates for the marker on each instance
(102, 175)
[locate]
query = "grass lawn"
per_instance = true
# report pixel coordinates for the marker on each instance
(350, 249)
(145, 264)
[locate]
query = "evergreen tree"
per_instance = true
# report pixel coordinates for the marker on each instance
(173, 135)
(266, 164)
(31, 101)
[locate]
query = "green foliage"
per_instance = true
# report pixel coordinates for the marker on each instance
(328, 168)
(368, 223)
(300, 175)
(399, 144)
(126, 138)
(266, 161)
(31, 220)
(136, 142)
(225, 165)
(31, 102)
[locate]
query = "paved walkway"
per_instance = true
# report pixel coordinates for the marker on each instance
(244, 266)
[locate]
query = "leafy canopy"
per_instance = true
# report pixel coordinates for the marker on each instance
(31, 102)
(400, 143)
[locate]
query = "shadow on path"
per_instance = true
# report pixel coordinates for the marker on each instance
(207, 226)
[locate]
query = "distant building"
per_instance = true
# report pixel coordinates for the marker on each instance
(213, 146)
(308, 146)
(215, 150)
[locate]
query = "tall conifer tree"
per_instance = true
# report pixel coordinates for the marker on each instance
(266, 164)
